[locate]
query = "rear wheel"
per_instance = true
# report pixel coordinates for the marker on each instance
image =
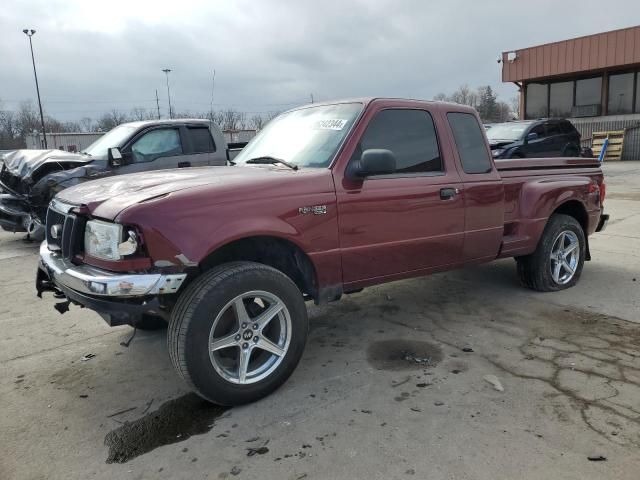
(558, 260)
(238, 332)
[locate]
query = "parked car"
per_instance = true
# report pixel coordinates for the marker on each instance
(534, 138)
(369, 191)
(29, 179)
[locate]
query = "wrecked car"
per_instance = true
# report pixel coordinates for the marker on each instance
(326, 200)
(29, 179)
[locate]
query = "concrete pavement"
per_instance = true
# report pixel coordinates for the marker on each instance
(385, 388)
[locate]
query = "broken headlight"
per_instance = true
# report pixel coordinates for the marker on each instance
(105, 240)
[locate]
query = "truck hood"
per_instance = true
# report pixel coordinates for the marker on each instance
(107, 197)
(23, 163)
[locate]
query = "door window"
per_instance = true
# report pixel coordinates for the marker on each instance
(201, 140)
(409, 134)
(155, 144)
(538, 130)
(553, 129)
(471, 143)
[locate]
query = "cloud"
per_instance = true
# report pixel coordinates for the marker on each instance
(94, 56)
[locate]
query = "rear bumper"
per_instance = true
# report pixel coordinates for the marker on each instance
(118, 298)
(602, 223)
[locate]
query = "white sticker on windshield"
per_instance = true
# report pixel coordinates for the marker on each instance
(331, 124)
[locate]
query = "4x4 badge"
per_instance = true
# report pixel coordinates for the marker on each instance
(315, 209)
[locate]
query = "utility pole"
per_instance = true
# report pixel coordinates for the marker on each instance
(213, 86)
(158, 104)
(29, 33)
(166, 71)
(311, 94)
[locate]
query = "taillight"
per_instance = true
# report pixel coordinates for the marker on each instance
(598, 189)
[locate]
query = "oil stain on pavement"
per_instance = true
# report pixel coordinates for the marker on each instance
(175, 421)
(403, 354)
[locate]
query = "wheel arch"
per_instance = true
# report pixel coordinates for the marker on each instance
(576, 209)
(277, 252)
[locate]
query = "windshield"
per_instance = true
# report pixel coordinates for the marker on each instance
(113, 138)
(507, 131)
(308, 137)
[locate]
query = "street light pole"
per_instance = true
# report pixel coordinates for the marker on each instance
(29, 33)
(166, 71)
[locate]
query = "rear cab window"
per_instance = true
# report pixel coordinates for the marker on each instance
(470, 143)
(201, 140)
(410, 135)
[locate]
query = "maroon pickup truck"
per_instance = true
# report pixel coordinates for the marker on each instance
(326, 200)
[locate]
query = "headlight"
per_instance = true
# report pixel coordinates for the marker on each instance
(101, 239)
(104, 240)
(497, 152)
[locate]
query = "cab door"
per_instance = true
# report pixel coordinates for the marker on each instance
(409, 220)
(154, 149)
(483, 188)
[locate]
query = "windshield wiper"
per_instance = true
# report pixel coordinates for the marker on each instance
(86, 153)
(266, 160)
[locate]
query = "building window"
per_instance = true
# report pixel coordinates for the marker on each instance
(536, 100)
(589, 91)
(560, 99)
(620, 94)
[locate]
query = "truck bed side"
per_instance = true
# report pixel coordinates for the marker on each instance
(536, 188)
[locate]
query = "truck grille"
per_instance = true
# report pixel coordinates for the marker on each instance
(65, 232)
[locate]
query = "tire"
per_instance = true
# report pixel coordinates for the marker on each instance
(206, 316)
(150, 323)
(538, 270)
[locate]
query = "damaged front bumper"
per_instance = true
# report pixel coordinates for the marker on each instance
(119, 298)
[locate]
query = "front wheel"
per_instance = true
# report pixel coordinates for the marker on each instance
(238, 332)
(558, 260)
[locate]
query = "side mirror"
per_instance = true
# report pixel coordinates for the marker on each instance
(376, 161)
(532, 136)
(115, 157)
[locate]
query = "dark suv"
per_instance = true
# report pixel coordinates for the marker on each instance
(534, 138)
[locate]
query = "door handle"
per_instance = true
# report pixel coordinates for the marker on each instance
(184, 164)
(448, 193)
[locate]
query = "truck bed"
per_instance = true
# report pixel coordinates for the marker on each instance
(526, 178)
(556, 163)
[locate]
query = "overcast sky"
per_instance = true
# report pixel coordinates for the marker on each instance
(271, 55)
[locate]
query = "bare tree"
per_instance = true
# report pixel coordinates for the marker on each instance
(256, 122)
(232, 119)
(515, 106)
(465, 96)
(141, 113)
(504, 112)
(111, 119)
(8, 131)
(87, 124)
(27, 119)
